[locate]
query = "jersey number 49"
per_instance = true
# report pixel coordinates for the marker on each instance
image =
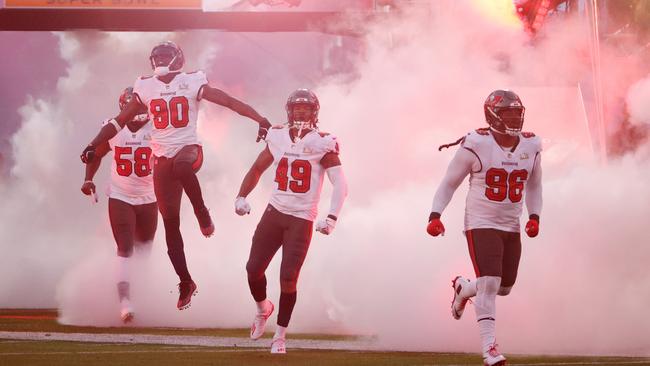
(300, 172)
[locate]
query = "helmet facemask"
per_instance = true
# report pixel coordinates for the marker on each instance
(166, 58)
(303, 120)
(508, 120)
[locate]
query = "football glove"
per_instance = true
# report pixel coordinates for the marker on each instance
(532, 227)
(242, 207)
(326, 225)
(263, 130)
(435, 226)
(88, 155)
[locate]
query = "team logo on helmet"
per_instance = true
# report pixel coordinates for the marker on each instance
(125, 97)
(166, 57)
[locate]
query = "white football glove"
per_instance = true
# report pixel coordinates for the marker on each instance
(326, 225)
(242, 207)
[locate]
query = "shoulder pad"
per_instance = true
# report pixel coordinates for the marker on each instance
(527, 135)
(475, 138)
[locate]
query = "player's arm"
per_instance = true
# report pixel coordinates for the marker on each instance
(110, 129)
(263, 162)
(459, 167)
(220, 97)
(88, 186)
(534, 197)
(332, 165)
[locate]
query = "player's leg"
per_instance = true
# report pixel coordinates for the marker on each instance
(296, 241)
(146, 223)
(511, 257)
(168, 193)
(187, 163)
(122, 218)
(486, 248)
(267, 239)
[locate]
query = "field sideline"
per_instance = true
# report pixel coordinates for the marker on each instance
(34, 337)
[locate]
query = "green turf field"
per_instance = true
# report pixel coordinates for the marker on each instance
(56, 352)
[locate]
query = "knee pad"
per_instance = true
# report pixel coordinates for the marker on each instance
(503, 291)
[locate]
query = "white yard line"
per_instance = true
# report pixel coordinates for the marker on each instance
(205, 341)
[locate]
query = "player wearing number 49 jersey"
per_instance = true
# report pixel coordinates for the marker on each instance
(504, 165)
(172, 98)
(301, 156)
(132, 205)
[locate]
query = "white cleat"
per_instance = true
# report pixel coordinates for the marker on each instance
(126, 313)
(493, 357)
(278, 346)
(460, 285)
(259, 323)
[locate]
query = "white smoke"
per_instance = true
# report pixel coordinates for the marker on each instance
(637, 101)
(421, 83)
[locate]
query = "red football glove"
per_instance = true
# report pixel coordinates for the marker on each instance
(532, 227)
(435, 227)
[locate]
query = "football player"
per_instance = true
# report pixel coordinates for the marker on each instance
(504, 168)
(132, 208)
(301, 155)
(172, 98)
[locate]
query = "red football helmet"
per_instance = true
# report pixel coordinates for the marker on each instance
(504, 112)
(303, 96)
(126, 97)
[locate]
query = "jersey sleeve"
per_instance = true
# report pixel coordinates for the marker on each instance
(272, 141)
(139, 90)
(459, 167)
(328, 143)
(200, 80)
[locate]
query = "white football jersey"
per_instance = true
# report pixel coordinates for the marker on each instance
(496, 186)
(173, 110)
(131, 178)
(298, 172)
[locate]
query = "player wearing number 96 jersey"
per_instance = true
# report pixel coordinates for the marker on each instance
(301, 155)
(172, 98)
(132, 208)
(504, 165)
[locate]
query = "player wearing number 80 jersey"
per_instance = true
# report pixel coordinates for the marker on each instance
(504, 165)
(171, 98)
(173, 108)
(301, 156)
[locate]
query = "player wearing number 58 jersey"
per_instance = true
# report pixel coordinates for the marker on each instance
(172, 98)
(132, 208)
(504, 165)
(301, 155)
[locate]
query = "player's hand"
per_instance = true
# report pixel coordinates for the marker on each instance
(263, 130)
(326, 225)
(435, 227)
(88, 188)
(88, 155)
(242, 207)
(532, 227)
